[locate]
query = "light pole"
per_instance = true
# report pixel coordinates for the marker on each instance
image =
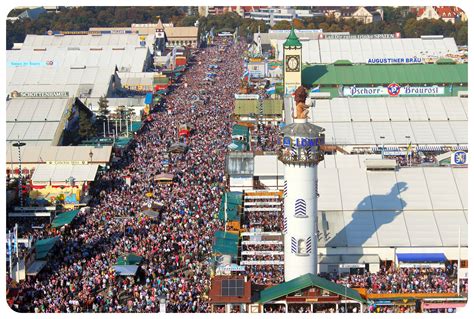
(382, 138)
(90, 155)
(20, 193)
(408, 149)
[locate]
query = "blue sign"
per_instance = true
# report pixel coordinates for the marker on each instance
(13, 64)
(301, 142)
(460, 158)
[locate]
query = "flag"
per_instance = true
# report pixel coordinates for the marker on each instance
(271, 90)
(245, 76)
(9, 243)
(408, 149)
(315, 89)
(15, 234)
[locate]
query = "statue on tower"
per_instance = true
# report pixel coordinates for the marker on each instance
(302, 109)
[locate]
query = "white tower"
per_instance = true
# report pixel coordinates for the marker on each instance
(301, 154)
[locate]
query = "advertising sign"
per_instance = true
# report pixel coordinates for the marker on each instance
(459, 158)
(15, 64)
(394, 60)
(392, 90)
(362, 36)
(246, 96)
(262, 262)
(231, 267)
(262, 253)
(39, 95)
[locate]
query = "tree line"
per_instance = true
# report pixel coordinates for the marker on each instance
(398, 19)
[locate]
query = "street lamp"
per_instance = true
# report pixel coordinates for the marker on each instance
(408, 149)
(20, 193)
(91, 154)
(383, 148)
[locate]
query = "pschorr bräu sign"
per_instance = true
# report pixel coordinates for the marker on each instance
(393, 90)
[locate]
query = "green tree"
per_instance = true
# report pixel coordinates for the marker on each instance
(86, 128)
(282, 25)
(103, 106)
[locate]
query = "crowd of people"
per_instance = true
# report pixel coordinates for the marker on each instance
(176, 248)
(401, 280)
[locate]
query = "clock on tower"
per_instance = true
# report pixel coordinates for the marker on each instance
(292, 63)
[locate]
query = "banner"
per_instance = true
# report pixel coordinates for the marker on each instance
(231, 267)
(262, 242)
(246, 96)
(362, 36)
(40, 95)
(262, 253)
(393, 90)
(394, 60)
(262, 262)
(14, 64)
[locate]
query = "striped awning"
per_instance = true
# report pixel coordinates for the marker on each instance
(386, 148)
(461, 148)
(430, 148)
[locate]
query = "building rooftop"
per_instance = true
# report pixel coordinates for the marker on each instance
(363, 74)
(361, 50)
(361, 121)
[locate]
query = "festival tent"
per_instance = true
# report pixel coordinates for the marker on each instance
(64, 218)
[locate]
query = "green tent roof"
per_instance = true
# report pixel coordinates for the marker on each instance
(292, 40)
(445, 61)
(64, 218)
(305, 281)
(130, 259)
(226, 247)
(234, 200)
(44, 246)
(240, 130)
(270, 106)
(342, 62)
(136, 125)
(377, 74)
(226, 235)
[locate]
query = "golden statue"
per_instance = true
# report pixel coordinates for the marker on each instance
(302, 109)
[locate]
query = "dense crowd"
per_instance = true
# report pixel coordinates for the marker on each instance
(176, 247)
(402, 280)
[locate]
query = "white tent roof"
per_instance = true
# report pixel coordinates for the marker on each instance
(361, 121)
(44, 173)
(34, 120)
(267, 165)
(412, 207)
(43, 154)
(360, 50)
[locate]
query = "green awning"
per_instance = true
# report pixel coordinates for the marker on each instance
(136, 125)
(306, 281)
(226, 235)
(226, 248)
(44, 246)
(64, 218)
(234, 201)
(445, 61)
(160, 92)
(179, 68)
(130, 259)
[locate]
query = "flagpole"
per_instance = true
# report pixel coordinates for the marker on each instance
(16, 243)
(10, 252)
